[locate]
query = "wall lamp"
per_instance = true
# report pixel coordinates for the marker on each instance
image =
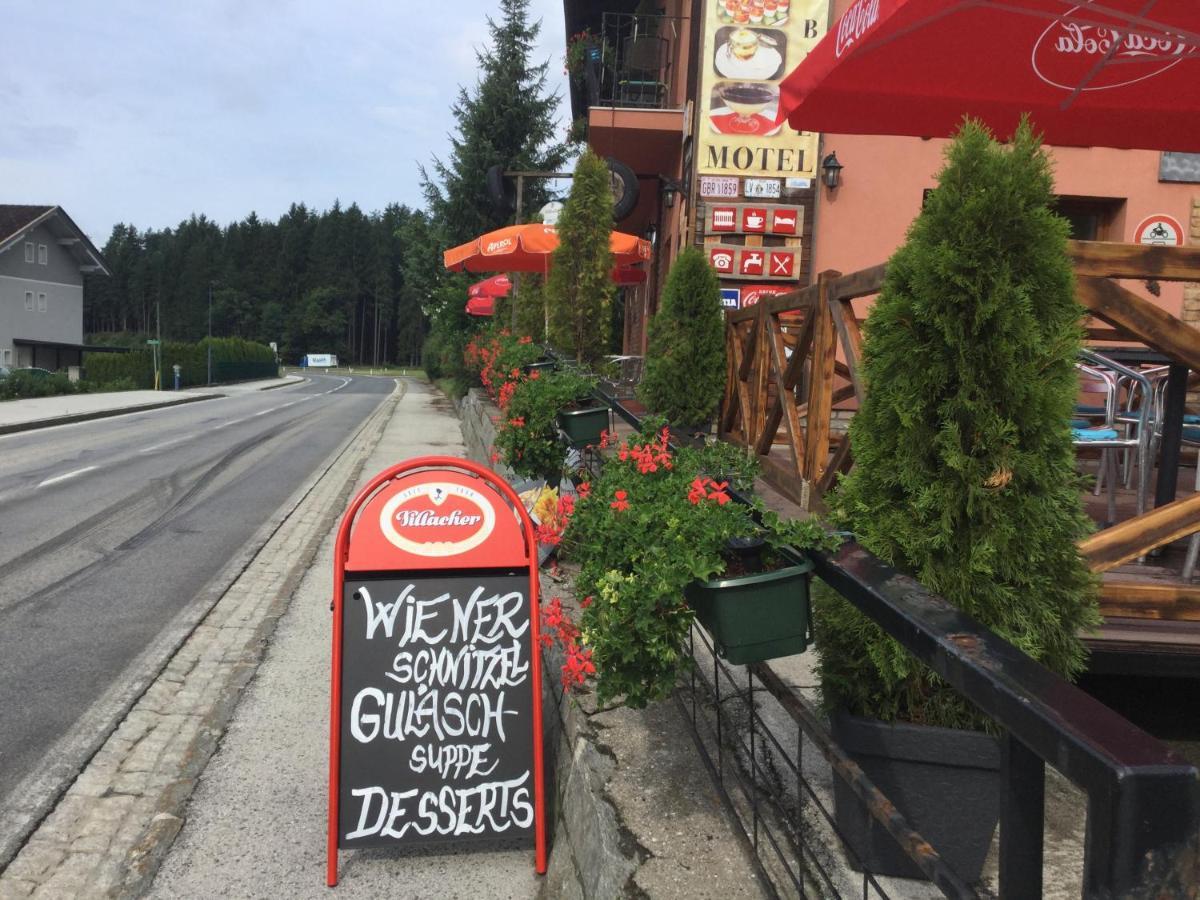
(831, 171)
(670, 187)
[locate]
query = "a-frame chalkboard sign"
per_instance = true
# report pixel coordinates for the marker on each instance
(435, 715)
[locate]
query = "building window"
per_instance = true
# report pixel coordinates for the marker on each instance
(43, 255)
(29, 251)
(41, 302)
(5, 357)
(1091, 218)
(29, 300)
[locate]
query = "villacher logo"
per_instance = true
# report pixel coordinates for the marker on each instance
(438, 519)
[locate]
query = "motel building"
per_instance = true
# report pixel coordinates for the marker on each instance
(687, 97)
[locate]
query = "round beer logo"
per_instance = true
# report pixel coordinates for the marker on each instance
(437, 519)
(1084, 46)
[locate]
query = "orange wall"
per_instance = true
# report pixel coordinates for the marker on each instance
(862, 222)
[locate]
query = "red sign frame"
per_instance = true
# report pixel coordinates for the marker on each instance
(510, 543)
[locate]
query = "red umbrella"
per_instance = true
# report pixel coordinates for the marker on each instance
(481, 306)
(496, 286)
(528, 248)
(1112, 73)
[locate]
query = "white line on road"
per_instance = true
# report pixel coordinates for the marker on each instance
(163, 445)
(66, 475)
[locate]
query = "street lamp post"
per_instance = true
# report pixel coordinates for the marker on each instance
(210, 333)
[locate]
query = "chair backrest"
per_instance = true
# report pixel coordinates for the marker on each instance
(645, 54)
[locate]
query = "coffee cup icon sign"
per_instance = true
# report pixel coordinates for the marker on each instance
(754, 221)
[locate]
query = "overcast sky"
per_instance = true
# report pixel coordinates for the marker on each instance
(145, 112)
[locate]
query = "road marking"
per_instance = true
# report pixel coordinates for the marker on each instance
(57, 478)
(179, 440)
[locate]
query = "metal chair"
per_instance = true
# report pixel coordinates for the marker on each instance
(1102, 375)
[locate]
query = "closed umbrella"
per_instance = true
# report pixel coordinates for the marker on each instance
(1110, 73)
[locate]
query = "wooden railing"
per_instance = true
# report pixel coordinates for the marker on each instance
(793, 358)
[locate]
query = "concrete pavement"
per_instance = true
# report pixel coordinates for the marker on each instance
(42, 412)
(256, 824)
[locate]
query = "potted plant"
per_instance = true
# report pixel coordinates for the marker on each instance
(527, 439)
(965, 479)
(685, 359)
(652, 529)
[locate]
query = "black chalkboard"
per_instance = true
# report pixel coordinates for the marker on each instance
(436, 711)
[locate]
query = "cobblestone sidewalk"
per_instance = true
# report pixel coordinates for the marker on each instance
(110, 831)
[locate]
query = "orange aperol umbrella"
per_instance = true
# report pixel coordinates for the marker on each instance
(527, 248)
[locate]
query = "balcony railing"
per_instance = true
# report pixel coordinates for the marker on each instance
(634, 62)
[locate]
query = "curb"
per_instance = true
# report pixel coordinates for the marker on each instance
(107, 831)
(275, 387)
(100, 414)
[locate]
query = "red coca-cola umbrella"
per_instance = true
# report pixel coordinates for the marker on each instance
(1111, 73)
(496, 286)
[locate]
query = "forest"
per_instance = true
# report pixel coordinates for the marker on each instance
(333, 281)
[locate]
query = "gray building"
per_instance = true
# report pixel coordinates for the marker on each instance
(43, 258)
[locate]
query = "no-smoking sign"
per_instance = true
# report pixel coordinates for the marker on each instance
(1160, 230)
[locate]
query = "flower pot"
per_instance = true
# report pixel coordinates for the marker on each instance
(755, 617)
(748, 552)
(944, 781)
(690, 435)
(583, 426)
(542, 365)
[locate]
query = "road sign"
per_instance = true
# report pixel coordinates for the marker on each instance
(1159, 230)
(152, 341)
(436, 720)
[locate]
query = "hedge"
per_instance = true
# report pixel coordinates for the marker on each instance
(233, 359)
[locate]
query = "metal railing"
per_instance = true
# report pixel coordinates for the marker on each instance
(1143, 801)
(633, 63)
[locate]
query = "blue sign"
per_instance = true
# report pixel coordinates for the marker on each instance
(731, 298)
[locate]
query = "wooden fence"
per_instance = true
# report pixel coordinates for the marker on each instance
(793, 359)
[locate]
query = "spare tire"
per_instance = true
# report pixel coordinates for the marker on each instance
(502, 192)
(624, 187)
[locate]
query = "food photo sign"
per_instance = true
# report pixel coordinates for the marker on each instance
(749, 46)
(435, 709)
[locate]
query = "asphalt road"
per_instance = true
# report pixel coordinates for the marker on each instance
(112, 530)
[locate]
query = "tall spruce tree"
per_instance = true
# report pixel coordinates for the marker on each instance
(508, 120)
(964, 470)
(579, 290)
(685, 357)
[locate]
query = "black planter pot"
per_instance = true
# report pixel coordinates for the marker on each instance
(944, 781)
(690, 435)
(542, 365)
(583, 426)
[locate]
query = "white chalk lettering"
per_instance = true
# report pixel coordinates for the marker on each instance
(459, 762)
(401, 715)
(494, 806)
(493, 617)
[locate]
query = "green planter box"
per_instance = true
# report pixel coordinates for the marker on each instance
(542, 365)
(755, 617)
(583, 426)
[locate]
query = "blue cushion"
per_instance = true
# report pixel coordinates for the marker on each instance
(1191, 419)
(1084, 435)
(1084, 409)
(1191, 433)
(1080, 423)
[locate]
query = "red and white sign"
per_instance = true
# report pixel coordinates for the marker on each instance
(724, 218)
(751, 262)
(1159, 230)
(722, 260)
(754, 219)
(751, 295)
(435, 560)
(783, 264)
(784, 221)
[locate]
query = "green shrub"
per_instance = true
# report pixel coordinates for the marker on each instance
(20, 385)
(233, 359)
(685, 356)
(527, 439)
(964, 470)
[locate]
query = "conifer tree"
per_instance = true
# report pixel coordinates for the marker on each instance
(964, 471)
(579, 290)
(685, 357)
(507, 120)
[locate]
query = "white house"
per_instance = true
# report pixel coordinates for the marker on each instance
(43, 258)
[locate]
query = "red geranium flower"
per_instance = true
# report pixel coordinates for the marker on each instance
(621, 503)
